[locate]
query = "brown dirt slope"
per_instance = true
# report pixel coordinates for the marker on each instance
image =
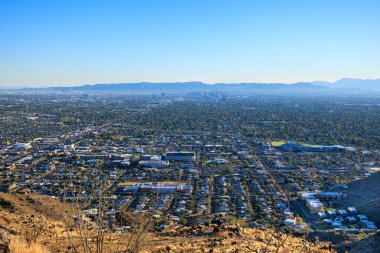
(364, 194)
(34, 204)
(367, 245)
(350, 242)
(28, 220)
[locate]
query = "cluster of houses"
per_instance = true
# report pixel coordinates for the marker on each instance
(204, 172)
(202, 193)
(341, 219)
(346, 219)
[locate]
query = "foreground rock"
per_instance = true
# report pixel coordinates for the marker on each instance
(4, 244)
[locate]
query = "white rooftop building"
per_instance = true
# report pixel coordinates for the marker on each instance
(22, 146)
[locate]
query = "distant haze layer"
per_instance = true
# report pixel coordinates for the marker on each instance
(345, 85)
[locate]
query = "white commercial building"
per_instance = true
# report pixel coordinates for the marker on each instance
(23, 146)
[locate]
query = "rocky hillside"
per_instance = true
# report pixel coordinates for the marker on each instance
(216, 238)
(34, 204)
(364, 194)
(34, 224)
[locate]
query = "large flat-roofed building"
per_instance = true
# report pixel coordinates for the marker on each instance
(22, 146)
(180, 156)
(154, 164)
(161, 188)
(314, 205)
(95, 157)
(294, 146)
(329, 196)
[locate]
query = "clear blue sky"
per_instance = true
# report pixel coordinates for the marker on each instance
(72, 42)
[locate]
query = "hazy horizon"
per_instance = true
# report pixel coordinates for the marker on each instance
(173, 82)
(71, 43)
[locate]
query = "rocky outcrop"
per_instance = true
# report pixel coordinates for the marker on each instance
(4, 244)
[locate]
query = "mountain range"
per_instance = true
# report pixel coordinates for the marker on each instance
(345, 85)
(352, 83)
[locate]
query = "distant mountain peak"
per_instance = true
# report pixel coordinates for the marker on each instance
(349, 83)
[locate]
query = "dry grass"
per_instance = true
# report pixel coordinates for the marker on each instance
(18, 245)
(188, 240)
